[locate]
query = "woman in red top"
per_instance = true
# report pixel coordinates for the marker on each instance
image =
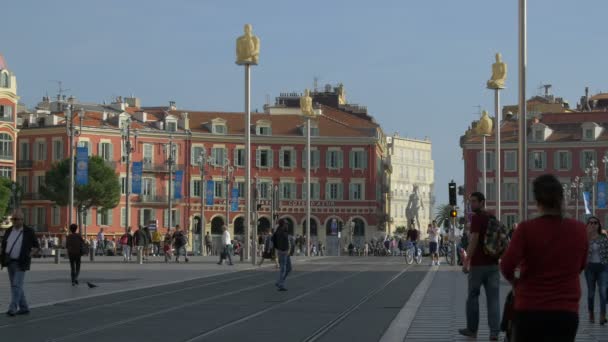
(551, 252)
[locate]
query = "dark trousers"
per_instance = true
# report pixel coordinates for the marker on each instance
(554, 326)
(74, 267)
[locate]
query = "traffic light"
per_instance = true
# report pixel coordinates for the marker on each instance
(453, 213)
(452, 191)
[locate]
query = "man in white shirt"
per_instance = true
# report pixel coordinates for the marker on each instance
(433, 232)
(226, 243)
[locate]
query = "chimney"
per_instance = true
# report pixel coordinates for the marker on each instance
(172, 105)
(184, 121)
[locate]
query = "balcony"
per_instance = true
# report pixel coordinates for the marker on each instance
(6, 156)
(154, 199)
(160, 167)
(32, 196)
(25, 164)
(6, 118)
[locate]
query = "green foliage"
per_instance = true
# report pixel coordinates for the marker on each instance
(400, 230)
(102, 191)
(5, 196)
(442, 213)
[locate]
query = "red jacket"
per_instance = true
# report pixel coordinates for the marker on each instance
(551, 253)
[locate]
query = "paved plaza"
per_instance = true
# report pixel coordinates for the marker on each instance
(329, 299)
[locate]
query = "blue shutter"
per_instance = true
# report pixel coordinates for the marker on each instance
(270, 158)
(340, 156)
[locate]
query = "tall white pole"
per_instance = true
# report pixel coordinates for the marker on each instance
(248, 166)
(70, 117)
(498, 117)
(484, 169)
(128, 190)
(308, 188)
(522, 143)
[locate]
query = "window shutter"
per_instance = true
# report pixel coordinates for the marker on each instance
(141, 216)
(531, 161)
(340, 191)
(351, 159)
(166, 218)
(235, 157)
(294, 158)
(99, 149)
(292, 186)
(304, 190)
(316, 190)
(214, 156)
(556, 160)
(258, 154)
(110, 217)
(327, 192)
(89, 218)
(99, 216)
(177, 218)
(351, 191)
(123, 216)
(340, 155)
(364, 160)
(44, 149)
(544, 159)
(281, 158)
(270, 158)
(304, 155)
(328, 159)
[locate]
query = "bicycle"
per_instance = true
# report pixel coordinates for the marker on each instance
(447, 251)
(409, 254)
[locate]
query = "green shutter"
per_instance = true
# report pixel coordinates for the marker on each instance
(111, 147)
(328, 159)
(340, 155)
(364, 159)
(351, 159)
(556, 160)
(316, 156)
(141, 216)
(110, 216)
(165, 218)
(293, 190)
(258, 157)
(327, 192)
(304, 155)
(340, 191)
(281, 157)
(294, 158)
(304, 190)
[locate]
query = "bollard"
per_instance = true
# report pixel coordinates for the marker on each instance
(57, 256)
(140, 259)
(91, 253)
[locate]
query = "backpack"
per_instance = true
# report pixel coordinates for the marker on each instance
(180, 239)
(496, 240)
(124, 239)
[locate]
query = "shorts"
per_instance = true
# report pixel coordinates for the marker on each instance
(432, 247)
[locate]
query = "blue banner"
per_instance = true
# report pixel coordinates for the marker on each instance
(136, 177)
(82, 166)
(235, 200)
(601, 195)
(209, 191)
(177, 185)
(587, 200)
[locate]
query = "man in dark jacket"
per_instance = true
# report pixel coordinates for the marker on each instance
(280, 241)
(18, 245)
(139, 238)
(75, 246)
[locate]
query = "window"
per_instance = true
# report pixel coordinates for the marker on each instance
(239, 157)
(219, 129)
(589, 134)
(333, 191)
(105, 151)
(24, 150)
(4, 80)
(24, 181)
(334, 159)
(287, 158)
(174, 217)
(586, 158)
(87, 144)
(196, 188)
(218, 156)
(314, 194)
(510, 160)
(57, 149)
(123, 216)
(510, 220)
(538, 160)
(6, 172)
(315, 158)
(287, 190)
(148, 186)
(265, 190)
(263, 158)
(314, 131)
(219, 189)
(356, 191)
(171, 126)
(39, 218)
(6, 113)
(40, 150)
(55, 216)
(358, 160)
(241, 187)
(6, 146)
(489, 161)
(104, 217)
(562, 160)
(490, 192)
(123, 185)
(510, 191)
(196, 154)
(264, 130)
(146, 215)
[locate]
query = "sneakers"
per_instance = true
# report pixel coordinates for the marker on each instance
(467, 333)
(282, 289)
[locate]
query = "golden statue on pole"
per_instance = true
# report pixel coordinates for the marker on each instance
(485, 124)
(499, 74)
(247, 47)
(306, 103)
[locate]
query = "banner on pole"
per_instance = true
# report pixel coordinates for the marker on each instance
(209, 191)
(177, 185)
(235, 200)
(82, 166)
(136, 177)
(601, 195)
(587, 200)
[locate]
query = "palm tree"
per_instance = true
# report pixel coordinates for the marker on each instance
(443, 213)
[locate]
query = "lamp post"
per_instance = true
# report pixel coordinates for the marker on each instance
(202, 163)
(484, 129)
(228, 170)
(309, 113)
(591, 171)
(125, 134)
(576, 186)
(170, 151)
(522, 157)
(72, 132)
(567, 193)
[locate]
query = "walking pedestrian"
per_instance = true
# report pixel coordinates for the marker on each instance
(180, 242)
(100, 243)
(139, 240)
(157, 237)
(226, 246)
(551, 252)
(280, 241)
(147, 242)
(19, 244)
(75, 247)
(126, 240)
(596, 272)
(208, 243)
(433, 232)
(167, 245)
(482, 269)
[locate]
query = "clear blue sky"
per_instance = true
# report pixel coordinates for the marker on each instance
(419, 66)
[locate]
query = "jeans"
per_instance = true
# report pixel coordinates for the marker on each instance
(16, 276)
(285, 263)
(489, 277)
(533, 326)
(596, 273)
(226, 254)
(126, 252)
(181, 251)
(74, 267)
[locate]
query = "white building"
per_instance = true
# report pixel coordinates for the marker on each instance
(411, 182)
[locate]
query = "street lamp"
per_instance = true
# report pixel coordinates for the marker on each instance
(591, 171)
(227, 171)
(576, 186)
(170, 152)
(203, 160)
(125, 134)
(72, 132)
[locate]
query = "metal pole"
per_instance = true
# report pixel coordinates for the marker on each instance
(128, 193)
(593, 184)
(308, 188)
(202, 220)
(522, 143)
(248, 163)
(71, 142)
(484, 169)
(170, 161)
(227, 195)
(498, 154)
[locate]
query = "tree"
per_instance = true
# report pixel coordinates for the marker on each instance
(102, 190)
(400, 230)
(5, 195)
(443, 213)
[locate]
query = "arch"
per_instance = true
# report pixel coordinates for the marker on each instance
(239, 225)
(329, 230)
(263, 224)
(314, 230)
(359, 226)
(196, 224)
(6, 146)
(217, 222)
(290, 223)
(4, 80)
